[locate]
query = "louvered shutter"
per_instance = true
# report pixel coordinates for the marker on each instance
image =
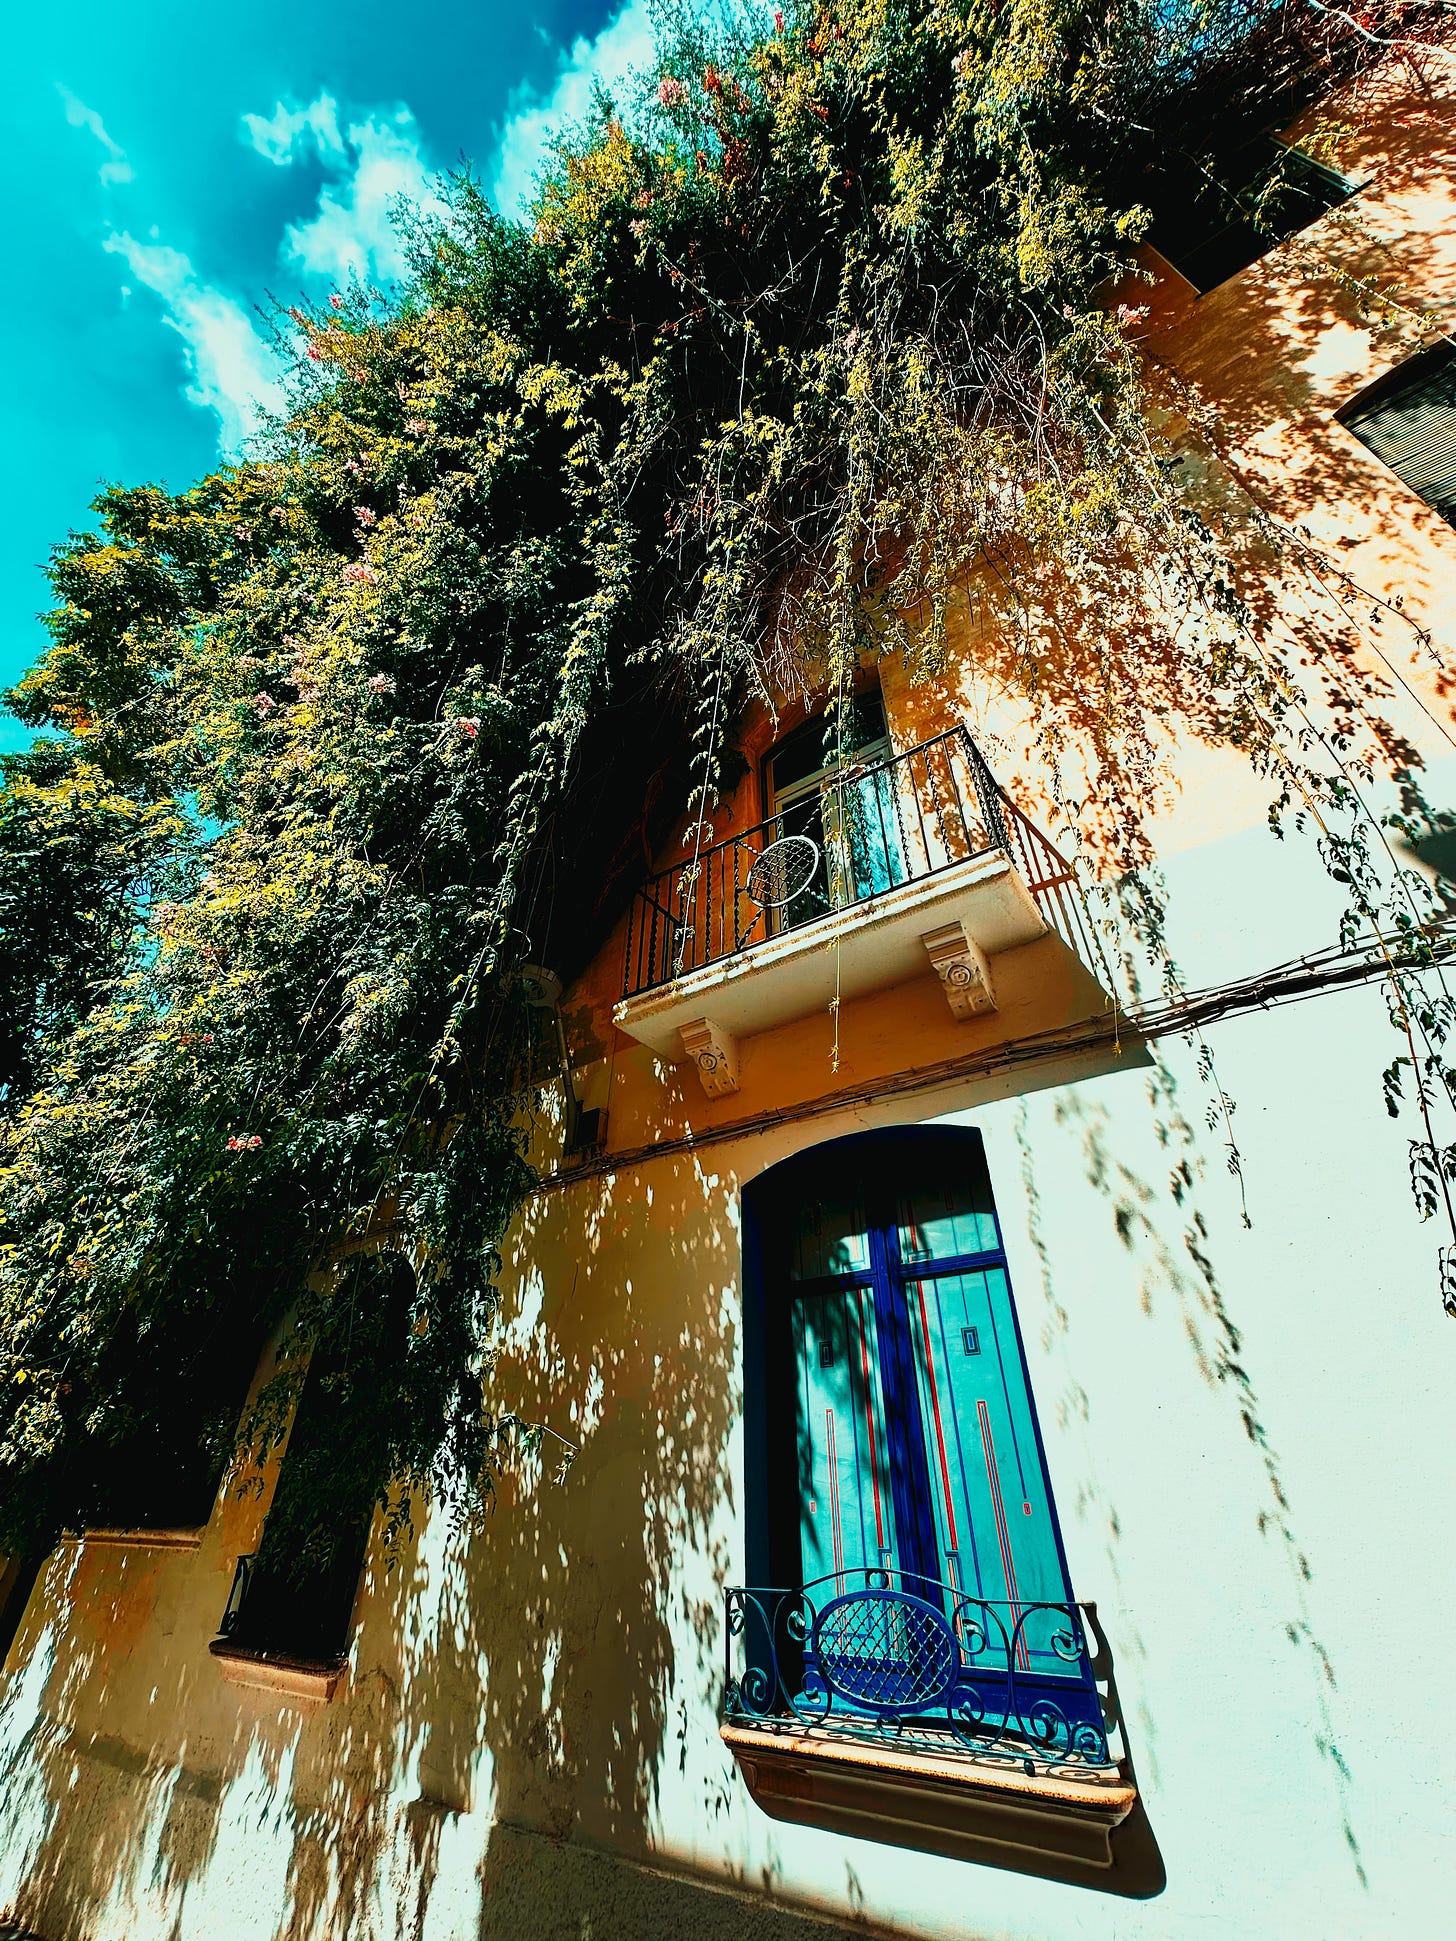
(1410, 423)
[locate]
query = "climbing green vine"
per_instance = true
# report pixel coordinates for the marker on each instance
(809, 344)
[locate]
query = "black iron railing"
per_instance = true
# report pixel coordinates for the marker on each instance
(878, 1655)
(870, 828)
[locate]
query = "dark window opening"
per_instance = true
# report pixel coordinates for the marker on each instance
(1408, 419)
(295, 1596)
(1209, 225)
(168, 1428)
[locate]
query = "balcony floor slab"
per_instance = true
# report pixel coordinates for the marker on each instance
(877, 943)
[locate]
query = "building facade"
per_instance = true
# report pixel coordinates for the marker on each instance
(956, 1503)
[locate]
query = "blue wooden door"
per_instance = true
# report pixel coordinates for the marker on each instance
(918, 1451)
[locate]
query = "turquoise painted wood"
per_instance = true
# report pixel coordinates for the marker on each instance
(845, 1494)
(995, 1530)
(917, 1442)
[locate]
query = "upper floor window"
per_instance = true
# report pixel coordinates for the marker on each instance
(1210, 226)
(1409, 420)
(846, 808)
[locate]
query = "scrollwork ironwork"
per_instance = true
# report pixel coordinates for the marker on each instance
(877, 1654)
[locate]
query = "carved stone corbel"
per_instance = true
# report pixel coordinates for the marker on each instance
(714, 1052)
(961, 966)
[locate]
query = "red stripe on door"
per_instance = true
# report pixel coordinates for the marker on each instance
(834, 1526)
(1003, 1535)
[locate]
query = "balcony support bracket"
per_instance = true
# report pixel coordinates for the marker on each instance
(961, 966)
(714, 1052)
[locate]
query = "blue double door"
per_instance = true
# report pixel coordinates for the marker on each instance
(916, 1446)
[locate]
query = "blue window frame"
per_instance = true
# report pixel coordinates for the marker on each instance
(892, 1432)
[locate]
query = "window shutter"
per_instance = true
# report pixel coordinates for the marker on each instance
(1410, 423)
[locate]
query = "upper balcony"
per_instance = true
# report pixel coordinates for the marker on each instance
(883, 871)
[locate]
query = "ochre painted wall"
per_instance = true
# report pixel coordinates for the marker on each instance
(1244, 1424)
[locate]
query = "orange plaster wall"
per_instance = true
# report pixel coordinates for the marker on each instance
(1271, 355)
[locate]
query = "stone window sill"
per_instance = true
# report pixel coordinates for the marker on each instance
(1057, 1822)
(119, 1539)
(305, 1681)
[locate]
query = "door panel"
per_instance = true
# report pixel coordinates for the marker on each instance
(994, 1525)
(846, 1498)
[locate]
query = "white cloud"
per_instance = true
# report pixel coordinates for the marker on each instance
(233, 369)
(624, 44)
(116, 168)
(368, 167)
(276, 136)
(352, 234)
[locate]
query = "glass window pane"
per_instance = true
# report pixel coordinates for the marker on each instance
(830, 1236)
(939, 1218)
(804, 753)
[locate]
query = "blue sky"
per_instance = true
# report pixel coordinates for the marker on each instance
(179, 166)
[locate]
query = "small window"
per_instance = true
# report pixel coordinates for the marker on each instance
(295, 1596)
(1409, 421)
(1211, 225)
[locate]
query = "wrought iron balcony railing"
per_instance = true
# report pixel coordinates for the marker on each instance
(871, 828)
(883, 1657)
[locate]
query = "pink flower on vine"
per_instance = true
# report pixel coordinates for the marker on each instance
(247, 1142)
(381, 684)
(314, 353)
(670, 92)
(278, 512)
(469, 725)
(364, 515)
(778, 20)
(360, 572)
(264, 703)
(1128, 313)
(417, 427)
(962, 64)
(336, 301)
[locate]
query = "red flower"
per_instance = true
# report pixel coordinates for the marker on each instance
(778, 20)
